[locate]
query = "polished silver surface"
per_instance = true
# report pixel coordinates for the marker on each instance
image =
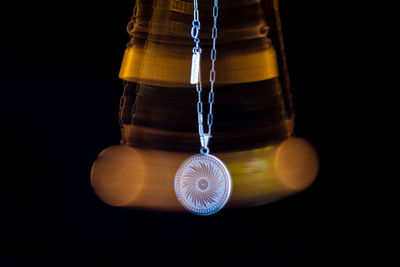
(195, 73)
(203, 184)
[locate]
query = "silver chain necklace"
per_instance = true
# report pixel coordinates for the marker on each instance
(203, 184)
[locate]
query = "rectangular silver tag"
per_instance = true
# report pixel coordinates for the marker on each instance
(194, 76)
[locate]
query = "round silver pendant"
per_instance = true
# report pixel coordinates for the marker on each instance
(203, 184)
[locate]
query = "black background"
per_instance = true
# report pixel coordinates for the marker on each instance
(59, 108)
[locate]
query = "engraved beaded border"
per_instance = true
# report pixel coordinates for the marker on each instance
(227, 192)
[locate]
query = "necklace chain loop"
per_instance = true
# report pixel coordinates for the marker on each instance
(205, 137)
(203, 184)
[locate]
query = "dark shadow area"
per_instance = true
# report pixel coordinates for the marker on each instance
(59, 102)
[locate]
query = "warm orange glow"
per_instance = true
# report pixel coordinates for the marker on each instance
(296, 163)
(144, 178)
(161, 67)
(118, 175)
(161, 46)
(253, 107)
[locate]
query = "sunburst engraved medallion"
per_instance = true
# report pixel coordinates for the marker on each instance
(203, 184)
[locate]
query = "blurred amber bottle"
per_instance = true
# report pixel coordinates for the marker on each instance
(253, 110)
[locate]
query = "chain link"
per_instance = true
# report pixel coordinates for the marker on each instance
(196, 27)
(204, 137)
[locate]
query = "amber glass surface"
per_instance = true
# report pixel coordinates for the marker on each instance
(253, 106)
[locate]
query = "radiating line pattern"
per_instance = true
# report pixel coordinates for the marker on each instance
(203, 184)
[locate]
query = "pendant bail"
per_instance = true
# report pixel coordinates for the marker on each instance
(204, 140)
